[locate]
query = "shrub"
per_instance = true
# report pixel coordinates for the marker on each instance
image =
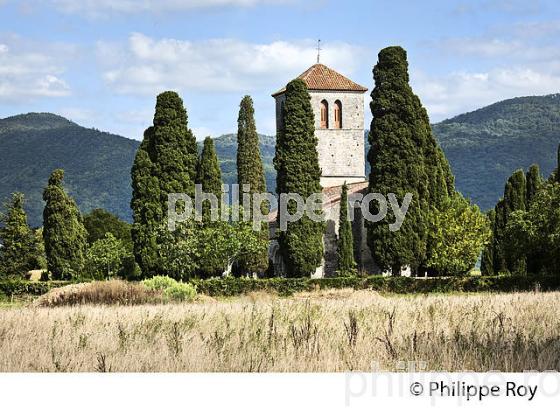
(113, 292)
(180, 292)
(159, 282)
(171, 289)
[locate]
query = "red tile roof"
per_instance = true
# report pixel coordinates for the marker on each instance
(319, 77)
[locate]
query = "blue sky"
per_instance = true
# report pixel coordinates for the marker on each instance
(101, 63)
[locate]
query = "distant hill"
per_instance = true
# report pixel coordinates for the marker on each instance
(226, 148)
(485, 146)
(97, 164)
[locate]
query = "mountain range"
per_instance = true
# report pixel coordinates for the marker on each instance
(484, 147)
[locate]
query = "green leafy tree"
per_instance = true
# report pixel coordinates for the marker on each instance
(345, 243)
(298, 172)
(100, 222)
(105, 258)
(165, 163)
(460, 232)
(250, 172)
(18, 251)
(63, 230)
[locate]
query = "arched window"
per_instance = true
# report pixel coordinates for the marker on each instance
(337, 114)
(324, 114)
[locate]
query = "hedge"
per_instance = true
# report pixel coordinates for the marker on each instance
(288, 286)
(16, 287)
(400, 285)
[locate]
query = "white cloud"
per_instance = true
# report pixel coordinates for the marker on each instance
(146, 65)
(29, 74)
(461, 92)
(98, 8)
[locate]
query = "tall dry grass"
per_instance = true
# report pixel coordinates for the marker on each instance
(328, 331)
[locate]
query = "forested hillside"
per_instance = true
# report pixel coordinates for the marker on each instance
(97, 164)
(483, 147)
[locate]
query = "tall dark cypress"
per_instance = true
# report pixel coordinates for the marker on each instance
(63, 231)
(249, 164)
(487, 258)
(165, 163)
(297, 165)
(534, 183)
(498, 237)
(397, 165)
(345, 242)
(174, 147)
(209, 176)
(17, 253)
(515, 199)
(146, 207)
(250, 171)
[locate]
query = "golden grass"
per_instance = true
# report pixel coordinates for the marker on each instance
(112, 292)
(312, 332)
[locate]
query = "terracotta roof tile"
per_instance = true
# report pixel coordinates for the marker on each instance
(321, 77)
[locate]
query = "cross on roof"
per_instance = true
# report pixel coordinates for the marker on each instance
(318, 51)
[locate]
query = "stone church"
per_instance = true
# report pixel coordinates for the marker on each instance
(338, 107)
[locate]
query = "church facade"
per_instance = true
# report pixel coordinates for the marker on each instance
(338, 107)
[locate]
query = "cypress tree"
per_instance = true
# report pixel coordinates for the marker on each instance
(209, 176)
(515, 199)
(498, 237)
(397, 165)
(165, 163)
(487, 258)
(250, 171)
(249, 164)
(297, 165)
(146, 207)
(174, 150)
(534, 183)
(17, 253)
(63, 230)
(515, 193)
(345, 243)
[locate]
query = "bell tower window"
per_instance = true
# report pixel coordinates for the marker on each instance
(338, 114)
(324, 114)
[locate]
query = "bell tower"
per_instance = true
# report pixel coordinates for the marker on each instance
(338, 107)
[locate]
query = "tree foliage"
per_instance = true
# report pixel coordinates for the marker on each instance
(345, 242)
(100, 222)
(165, 163)
(298, 172)
(105, 257)
(19, 249)
(250, 171)
(404, 158)
(63, 230)
(460, 232)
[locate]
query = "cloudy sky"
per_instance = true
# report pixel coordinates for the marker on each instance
(102, 62)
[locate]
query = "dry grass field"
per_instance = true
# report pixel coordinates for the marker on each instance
(329, 331)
